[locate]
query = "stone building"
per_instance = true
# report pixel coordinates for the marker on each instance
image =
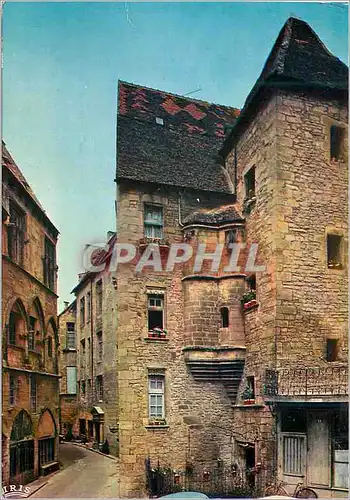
(242, 366)
(96, 355)
(69, 408)
(30, 384)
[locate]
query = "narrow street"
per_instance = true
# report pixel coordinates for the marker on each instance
(83, 474)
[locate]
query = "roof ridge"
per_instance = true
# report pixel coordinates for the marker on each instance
(176, 95)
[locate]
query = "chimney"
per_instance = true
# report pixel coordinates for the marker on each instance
(66, 304)
(110, 234)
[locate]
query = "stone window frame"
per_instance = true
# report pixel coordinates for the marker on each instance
(158, 376)
(33, 393)
(74, 370)
(70, 336)
(160, 293)
(16, 231)
(224, 317)
(82, 311)
(13, 389)
(88, 307)
(328, 123)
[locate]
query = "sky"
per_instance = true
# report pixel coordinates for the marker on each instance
(61, 64)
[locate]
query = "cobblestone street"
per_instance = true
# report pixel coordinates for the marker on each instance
(83, 474)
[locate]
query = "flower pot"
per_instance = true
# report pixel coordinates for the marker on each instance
(249, 402)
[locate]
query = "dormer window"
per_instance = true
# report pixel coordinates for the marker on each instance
(153, 221)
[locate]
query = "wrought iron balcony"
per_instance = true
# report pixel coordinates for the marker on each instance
(330, 381)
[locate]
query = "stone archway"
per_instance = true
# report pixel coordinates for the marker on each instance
(22, 449)
(47, 446)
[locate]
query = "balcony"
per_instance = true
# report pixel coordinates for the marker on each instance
(307, 384)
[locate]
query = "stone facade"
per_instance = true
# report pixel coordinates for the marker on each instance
(69, 408)
(30, 336)
(246, 387)
(97, 416)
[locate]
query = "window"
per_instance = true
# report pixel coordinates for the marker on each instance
(293, 454)
(70, 339)
(14, 317)
(153, 221)
(15, 233)
(71, 380)
(33, 401)
(12, 390)
(31, 333)
(332, 350)
(231, 236)
(49, 347)
(155, 312)
(82, 351)
(82, 311)
(336, 140)
(49, 264)
(340, 449)
(249, 184)
(334, 250)
(99, 346)
(249, 391)
(88, 302)
(252, 282)
(293, 421)
(156, 396)
(46, 451)
(99, 387)
(99, 298)
(89, 389)
(224, 317)
(83, 387)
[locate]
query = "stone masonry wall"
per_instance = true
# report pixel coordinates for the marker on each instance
(206, 403)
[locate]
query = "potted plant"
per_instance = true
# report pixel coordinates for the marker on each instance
(158, 333)
(248, 299)
(157, 421)
(248, 395)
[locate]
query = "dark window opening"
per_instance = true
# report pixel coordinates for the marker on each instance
(332, 350)
(46, 451)
(252, 282)
(224, 317)
(99, 346)
(13, 323)
(249, 183)
(33, 398)
(82, 311)
(155, 312)
(88, 312)
(83, 387)
(294, 421)
(249, 392)
(99, 387)
(334, 250)
(31, 333)
(99, 298)
(12, 391)
(49, 264)
(231, 236)
(49, 347)
(15, 233)
(337, 139)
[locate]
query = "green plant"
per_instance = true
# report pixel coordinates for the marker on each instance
(248, 296)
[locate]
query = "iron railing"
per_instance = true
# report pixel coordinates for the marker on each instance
(316, 382)
(223, 482)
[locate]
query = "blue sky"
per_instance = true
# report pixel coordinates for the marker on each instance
(61, 66)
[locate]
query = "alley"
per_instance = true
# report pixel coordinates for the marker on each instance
(83, 474)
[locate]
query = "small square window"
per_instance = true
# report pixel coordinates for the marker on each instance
(337, 142)
(332, 350)
(334, 251)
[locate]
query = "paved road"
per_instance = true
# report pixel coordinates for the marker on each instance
(83, 474)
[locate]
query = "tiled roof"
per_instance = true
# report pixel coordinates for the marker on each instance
(179, 148)
(222, 215)
(298, 59)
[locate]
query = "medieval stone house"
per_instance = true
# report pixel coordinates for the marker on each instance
(203, 381)
(30, 384)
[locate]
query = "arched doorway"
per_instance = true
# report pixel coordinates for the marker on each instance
(22, 450)
(46, 435)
